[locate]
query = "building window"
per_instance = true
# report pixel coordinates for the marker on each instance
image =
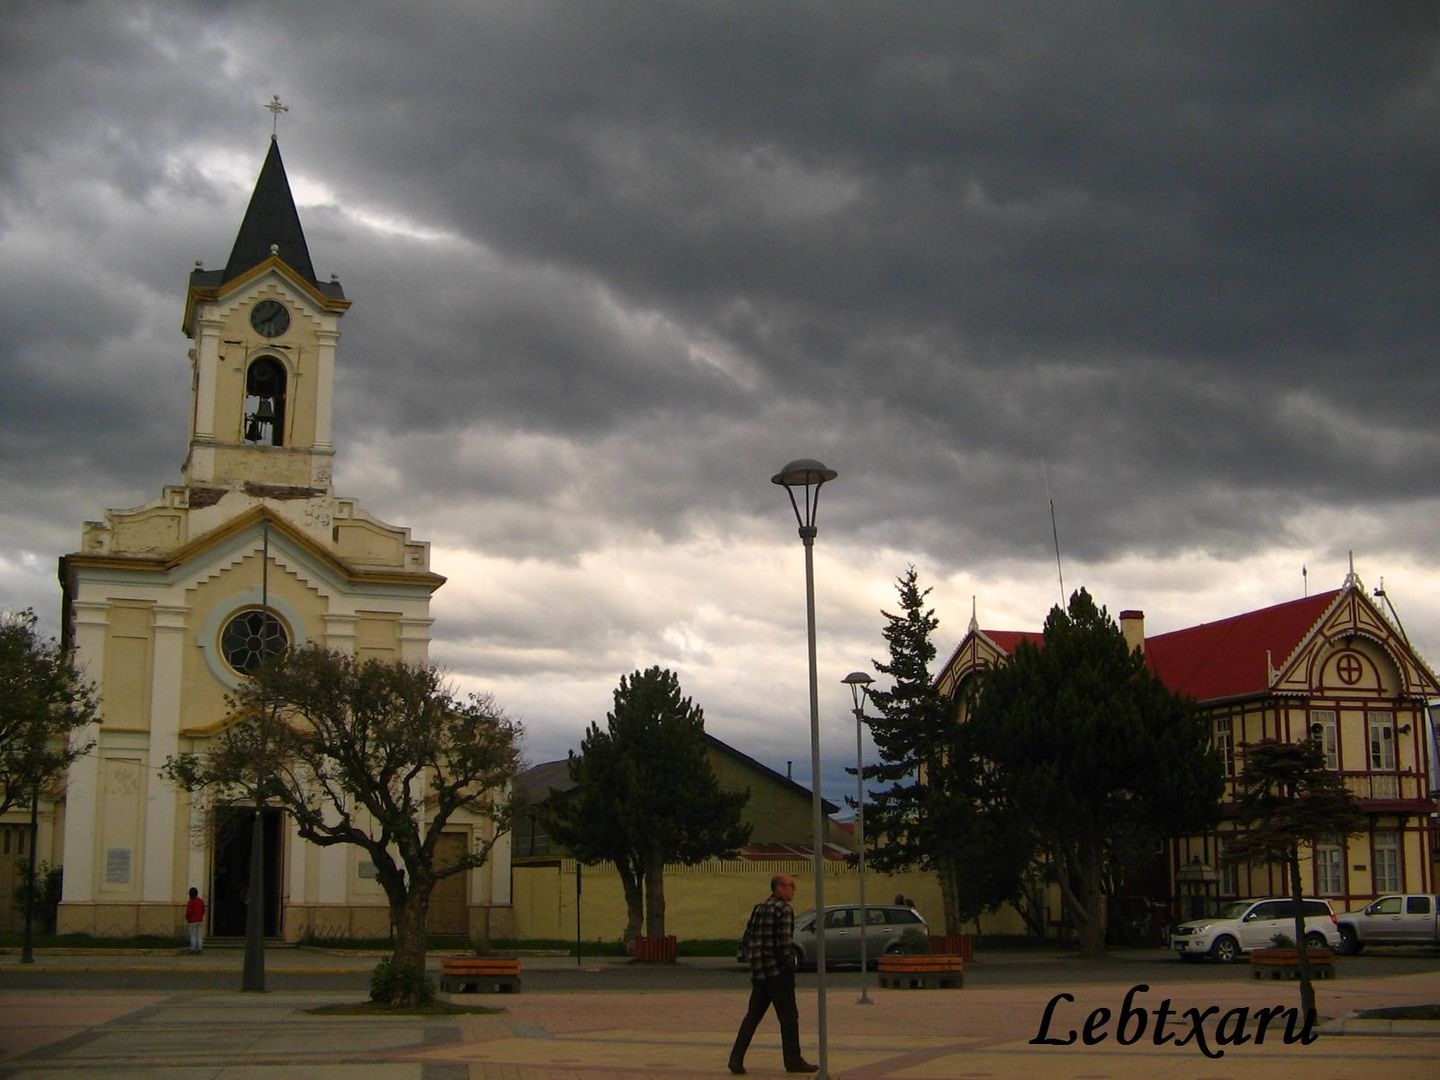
(1322, 727)
(1330, 869)
(251, 637)
(1382, 741)
(1387, 862)
(1225, 743)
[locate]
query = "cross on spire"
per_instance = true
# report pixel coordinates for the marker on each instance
(275, 110)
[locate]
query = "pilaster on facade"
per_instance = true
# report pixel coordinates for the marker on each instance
(341, 629)
(415, 639)
(157, 878)
(327, 339)
(207, 376)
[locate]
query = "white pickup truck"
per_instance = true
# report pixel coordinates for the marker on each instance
(1412, 919)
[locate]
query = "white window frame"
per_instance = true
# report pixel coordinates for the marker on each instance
(1382, 741)
(1328, 721)
(1329, 869)
(1388, 876)
(1225, 743)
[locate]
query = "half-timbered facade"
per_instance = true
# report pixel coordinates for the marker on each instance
(1329, 666)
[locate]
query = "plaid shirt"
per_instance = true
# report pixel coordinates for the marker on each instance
(767, 939)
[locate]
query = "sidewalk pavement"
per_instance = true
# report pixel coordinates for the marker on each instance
(676, 1035)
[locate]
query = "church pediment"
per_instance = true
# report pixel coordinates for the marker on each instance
(242, 536)
(206, 287)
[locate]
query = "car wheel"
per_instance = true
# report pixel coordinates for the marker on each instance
(1226, 950)
(1314, 940)
(1350, 944)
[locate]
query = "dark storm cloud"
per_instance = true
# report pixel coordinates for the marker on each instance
(613, 264)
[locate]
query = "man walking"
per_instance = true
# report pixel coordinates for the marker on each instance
(772, 977)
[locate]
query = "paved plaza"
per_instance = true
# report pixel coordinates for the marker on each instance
(972, 1033)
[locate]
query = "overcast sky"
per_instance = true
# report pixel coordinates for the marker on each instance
(614, 264)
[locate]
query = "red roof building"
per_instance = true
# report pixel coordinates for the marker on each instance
(1330, 665)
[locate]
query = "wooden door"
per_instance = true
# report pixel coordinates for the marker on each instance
(448, 914)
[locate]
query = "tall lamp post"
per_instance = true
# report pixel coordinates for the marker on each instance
(807, 476)
(859, 684)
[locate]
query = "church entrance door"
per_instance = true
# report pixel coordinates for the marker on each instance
(447, 902)
(230, 891)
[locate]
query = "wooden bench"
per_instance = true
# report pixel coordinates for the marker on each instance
(1285, 964)
(472, 974)
(942, 971)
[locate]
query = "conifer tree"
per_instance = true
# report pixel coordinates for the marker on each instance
(1287, 797)
(1101, 759)
(930, 814)
(646, 796)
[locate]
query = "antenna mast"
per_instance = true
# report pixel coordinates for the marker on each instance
(1054, 532)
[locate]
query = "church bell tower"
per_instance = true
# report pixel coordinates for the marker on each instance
(265, 331)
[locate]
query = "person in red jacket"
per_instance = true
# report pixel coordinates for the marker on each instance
(195, 919)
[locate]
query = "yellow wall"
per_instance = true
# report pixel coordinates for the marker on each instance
(708, 901)
(126, 681)
(211, 601)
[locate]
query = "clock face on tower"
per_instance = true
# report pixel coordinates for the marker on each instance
(270, 318)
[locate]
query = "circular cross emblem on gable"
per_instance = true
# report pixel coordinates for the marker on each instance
(1349, 668)
(251, 637)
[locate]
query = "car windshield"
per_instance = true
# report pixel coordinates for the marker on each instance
(1233, 910)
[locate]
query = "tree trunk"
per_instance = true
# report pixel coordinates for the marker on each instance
(633, 885)
(407, 961)
(655, 899)
(950, 895)
(1085, 900)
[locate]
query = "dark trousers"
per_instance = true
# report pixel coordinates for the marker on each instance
(779, 992)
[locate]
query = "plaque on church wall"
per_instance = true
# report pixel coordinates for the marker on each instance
(117, 866)
(367, 870)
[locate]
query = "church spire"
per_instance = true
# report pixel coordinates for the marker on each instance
(271, 225)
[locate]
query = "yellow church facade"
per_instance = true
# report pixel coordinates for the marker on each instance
(167, 607)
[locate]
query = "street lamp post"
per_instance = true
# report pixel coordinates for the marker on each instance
(859, 684)
(808, 476)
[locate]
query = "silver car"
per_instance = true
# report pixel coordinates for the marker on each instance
(884, 926)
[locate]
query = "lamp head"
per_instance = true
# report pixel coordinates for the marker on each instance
(808, 475)
(859, 684)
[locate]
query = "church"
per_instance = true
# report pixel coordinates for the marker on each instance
(169, 605)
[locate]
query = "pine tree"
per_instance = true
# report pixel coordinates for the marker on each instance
(1287, 797)
(647, 796)
(1082, 739)
(930, 814)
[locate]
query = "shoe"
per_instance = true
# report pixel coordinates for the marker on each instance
(736, 1070)
(803, 1067)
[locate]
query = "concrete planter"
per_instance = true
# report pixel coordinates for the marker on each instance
(661, 950)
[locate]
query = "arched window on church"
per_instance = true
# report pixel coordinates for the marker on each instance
(265, 402)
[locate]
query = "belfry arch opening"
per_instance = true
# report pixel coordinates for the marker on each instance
(265, 384)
